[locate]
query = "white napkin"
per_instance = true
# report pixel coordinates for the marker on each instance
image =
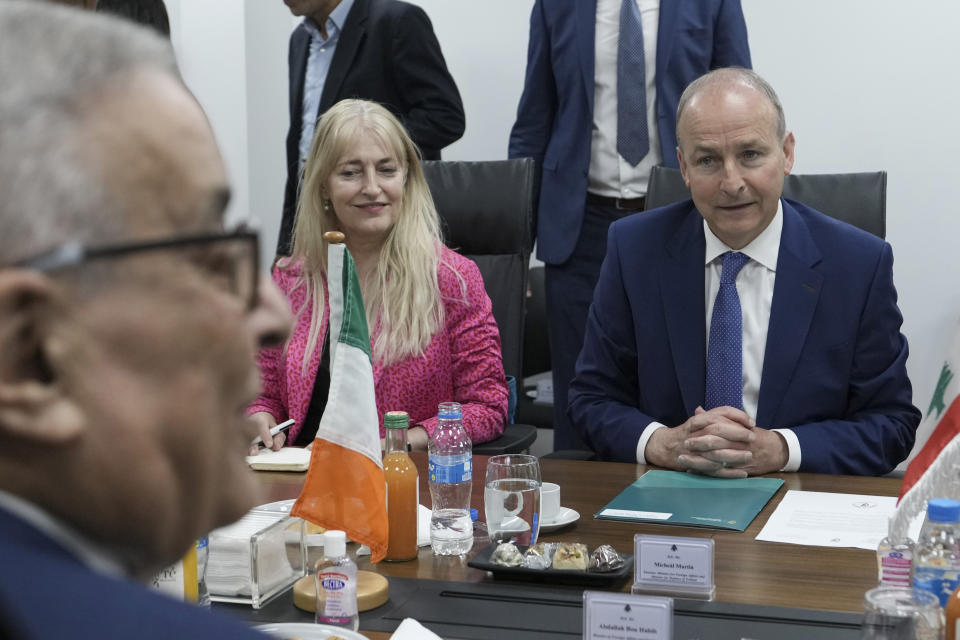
(410, 629)
(423, 531)
(229, 564)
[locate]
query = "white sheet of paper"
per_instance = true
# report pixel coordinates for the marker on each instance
(832, 520)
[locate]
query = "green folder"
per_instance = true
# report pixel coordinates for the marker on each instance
(674, 497)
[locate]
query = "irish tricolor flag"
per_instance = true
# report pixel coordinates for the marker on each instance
(345, 487)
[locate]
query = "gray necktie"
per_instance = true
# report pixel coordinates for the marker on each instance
(633, 141)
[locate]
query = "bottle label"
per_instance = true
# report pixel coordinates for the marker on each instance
(460, 471)
(340, 602)
(940, 582)
(895, 569)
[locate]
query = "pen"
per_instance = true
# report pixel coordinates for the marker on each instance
(274, 431)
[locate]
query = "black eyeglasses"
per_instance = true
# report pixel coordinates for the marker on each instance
(229, 258)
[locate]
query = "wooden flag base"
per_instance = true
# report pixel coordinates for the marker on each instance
(372, 591)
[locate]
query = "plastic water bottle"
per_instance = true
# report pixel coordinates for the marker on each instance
(336, 584)
(936, 564)
(203, 594)
(451, 481)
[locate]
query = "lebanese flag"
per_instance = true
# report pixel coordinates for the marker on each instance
(941, 420)
(345, 487)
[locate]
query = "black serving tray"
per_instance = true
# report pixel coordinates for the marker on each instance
(590, 577)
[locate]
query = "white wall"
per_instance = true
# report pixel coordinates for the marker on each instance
(233, 57)
(866, 84)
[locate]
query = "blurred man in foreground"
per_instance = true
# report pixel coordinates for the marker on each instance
(129, 320)
(741, 333)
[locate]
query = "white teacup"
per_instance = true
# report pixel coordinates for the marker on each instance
(549, 502)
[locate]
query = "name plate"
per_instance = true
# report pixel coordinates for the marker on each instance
(622, 616)
(673, 565)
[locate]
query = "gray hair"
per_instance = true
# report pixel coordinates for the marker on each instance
(54, 63)
(732, 76)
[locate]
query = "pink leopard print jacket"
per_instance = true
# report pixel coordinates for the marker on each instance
(463, 362)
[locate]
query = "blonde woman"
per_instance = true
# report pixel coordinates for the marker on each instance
(433, 336)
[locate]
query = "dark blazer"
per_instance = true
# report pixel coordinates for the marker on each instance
(834, 367)
(388, 53)
(555, 115)
(47, 594)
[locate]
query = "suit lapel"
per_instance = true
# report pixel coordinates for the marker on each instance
(300, 51)
(351, 35)
(795, 295)
(586, 23)
(681, 289)
(666, 30)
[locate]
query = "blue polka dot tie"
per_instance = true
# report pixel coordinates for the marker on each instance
(725, 352)
(633, 140)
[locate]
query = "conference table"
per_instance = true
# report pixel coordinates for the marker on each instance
(747, 572)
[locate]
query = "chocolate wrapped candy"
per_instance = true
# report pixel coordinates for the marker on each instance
(605, 558)
(539, 556)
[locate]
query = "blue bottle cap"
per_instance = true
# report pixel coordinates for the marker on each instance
(943, 510)
(474, 514)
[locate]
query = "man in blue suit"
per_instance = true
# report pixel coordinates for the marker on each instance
(741, 333)
(129, 322)
(592, 69)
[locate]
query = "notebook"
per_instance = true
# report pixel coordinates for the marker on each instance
(286, 459)
(687, 499)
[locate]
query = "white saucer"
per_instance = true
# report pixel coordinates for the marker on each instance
(564, 517)
(307, 631)
(514, 525)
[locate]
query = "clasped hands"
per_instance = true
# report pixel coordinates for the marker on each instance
(723, 442)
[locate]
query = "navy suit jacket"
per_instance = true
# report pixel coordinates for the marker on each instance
(388, 53)
(555, 114)
(47, 594)
(834, 367)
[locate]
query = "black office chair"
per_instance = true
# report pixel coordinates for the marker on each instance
(856, 198)
(487, 212)
(536, 353)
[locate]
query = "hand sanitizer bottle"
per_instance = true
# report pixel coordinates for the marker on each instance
(336, 582)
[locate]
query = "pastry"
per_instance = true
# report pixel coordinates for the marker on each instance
(570, 555)
(507, 555)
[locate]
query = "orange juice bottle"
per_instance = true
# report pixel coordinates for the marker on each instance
(953, 616)
(403, 489)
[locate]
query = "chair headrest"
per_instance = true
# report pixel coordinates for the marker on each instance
(486, 206)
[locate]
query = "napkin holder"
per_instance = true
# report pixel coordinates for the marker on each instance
(255, 559)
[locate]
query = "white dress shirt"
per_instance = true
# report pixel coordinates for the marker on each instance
(610, 175)
(315, 76)
(755, 284)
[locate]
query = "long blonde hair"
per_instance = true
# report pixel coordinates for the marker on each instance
(404, 316)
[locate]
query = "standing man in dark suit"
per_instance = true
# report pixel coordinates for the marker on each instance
(381, 50)
(597, 112)
(741, 333)
(129, 322)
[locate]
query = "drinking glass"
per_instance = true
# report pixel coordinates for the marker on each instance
(901, 613)
(511, 499)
